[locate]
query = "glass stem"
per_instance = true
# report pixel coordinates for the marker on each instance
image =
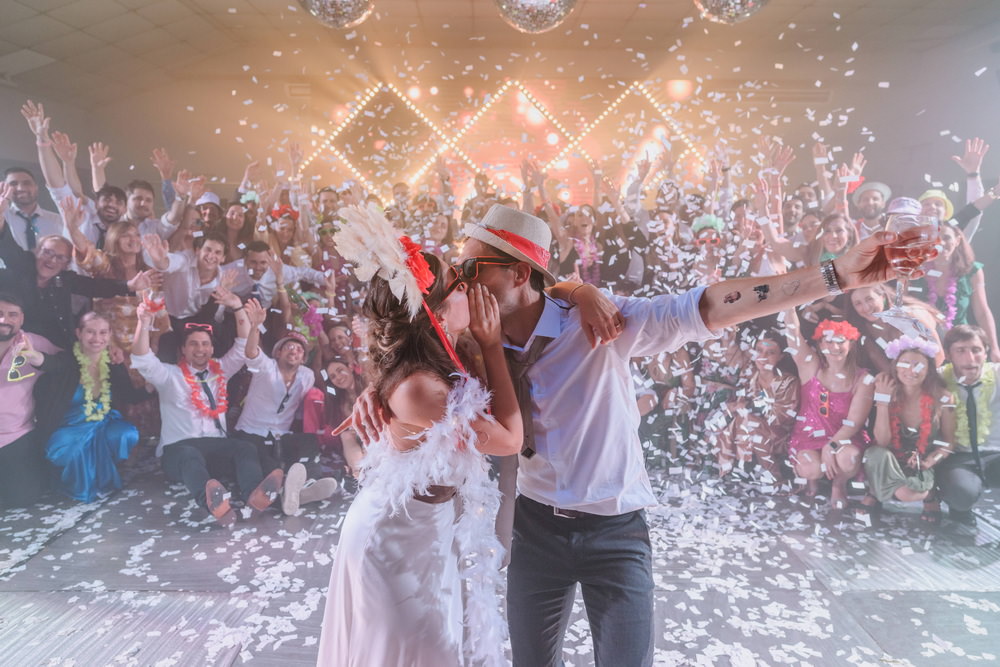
(900, 291)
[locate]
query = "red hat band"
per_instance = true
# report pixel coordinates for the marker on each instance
(532, 251)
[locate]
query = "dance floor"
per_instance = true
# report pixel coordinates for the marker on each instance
(142, 578)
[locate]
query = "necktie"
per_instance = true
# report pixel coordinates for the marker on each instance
(30, 229)
(203, 380)
(519, 365)
(255, 293)
(970, 412)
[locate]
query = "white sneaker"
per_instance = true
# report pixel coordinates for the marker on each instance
(320, 489)
(294, 481)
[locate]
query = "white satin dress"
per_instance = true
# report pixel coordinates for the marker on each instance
(416, 584)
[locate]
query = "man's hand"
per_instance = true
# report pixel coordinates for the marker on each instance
(157, 250)
(972, 160)
(866, 263)
(161, 160)
(368, 417)
(143, 280)
(226, 297)
(99, 157)
(250, 173)
(255, 312)
(144, 314)
(23, 348)
(35, 115)
(6, 193)
(64, 148)
(277, 268)
(228, 278)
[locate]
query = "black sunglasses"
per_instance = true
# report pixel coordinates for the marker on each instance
(469, 269)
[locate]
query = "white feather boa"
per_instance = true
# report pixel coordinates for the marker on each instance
(448, 456)
(371, 244)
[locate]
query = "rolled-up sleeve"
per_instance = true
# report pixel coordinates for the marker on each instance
(154, 371)
(233, 360)
(662, 323)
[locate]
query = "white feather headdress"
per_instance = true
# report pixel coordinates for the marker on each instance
(371, 244)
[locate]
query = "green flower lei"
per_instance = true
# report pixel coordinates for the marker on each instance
(94, 410)
(983, 413)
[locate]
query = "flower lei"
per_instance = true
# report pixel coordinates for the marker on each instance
(924, 436)
(843, 329)
(928, 348)
(590, 268)
(96, 405)
(198, 395)
(984, 416)
(950, 300)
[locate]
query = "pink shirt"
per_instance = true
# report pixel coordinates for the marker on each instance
(17, 404)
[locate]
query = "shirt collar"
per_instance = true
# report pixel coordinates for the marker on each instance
(550, 324)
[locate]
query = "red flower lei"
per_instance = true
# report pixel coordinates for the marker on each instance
(198, 395)
(835, 328)
(924, 436)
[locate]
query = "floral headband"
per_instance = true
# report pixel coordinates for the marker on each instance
(903, 344)
(831, 329)
(284, 211)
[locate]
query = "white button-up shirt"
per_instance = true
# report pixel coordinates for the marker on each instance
(46, 222)
(587, 451)
(268, 284)
(267, 392)
(179, 417)
(185, 294)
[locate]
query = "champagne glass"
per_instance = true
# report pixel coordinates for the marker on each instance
(155, 301)
(917, 236)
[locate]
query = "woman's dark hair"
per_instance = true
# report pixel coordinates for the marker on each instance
(398, 346)
(962, 258)
(337, 404)
(786, 365)
(853, 361)
(212, 235)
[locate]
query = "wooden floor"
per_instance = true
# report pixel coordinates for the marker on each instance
(143, 578)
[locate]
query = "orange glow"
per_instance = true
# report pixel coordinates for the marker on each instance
(413, 92)
(679, 89)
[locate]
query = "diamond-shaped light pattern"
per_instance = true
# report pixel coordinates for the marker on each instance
(385, 136)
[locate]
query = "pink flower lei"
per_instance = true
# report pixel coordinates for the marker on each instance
(897, 347)
(950, 300)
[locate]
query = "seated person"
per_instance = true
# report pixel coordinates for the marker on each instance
(278, 385)
(194, 446)
(23, 477)
(84, 436)
(975, 463)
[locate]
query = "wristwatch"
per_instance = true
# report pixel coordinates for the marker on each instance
(830, 279)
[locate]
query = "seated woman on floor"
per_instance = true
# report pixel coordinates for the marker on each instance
(84, 435)
(914, 429)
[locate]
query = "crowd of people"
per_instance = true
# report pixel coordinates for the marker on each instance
(227, 328)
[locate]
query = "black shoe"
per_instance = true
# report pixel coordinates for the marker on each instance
(966, 518)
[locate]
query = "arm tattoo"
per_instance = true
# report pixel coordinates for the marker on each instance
(791, 288)
(762, 292)
(732, 297)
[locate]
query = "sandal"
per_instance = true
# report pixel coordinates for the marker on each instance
(931, 516)
(868, 513)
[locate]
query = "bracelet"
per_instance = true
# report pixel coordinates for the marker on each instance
(570, 299)
(236, 310)
(974, 174)
(724, 169)
(830, 279)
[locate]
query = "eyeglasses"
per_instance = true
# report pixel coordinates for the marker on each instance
(469, 269)
(15, 374)
(824, 404)
(195, 326)
(326, 231)
(708, 240)
(456, 280)
(45, 253)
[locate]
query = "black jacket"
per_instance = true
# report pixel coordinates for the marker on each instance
(54, 390)
(48, 310)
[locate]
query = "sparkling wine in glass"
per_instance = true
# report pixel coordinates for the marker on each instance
(917, 237)
(155, 301)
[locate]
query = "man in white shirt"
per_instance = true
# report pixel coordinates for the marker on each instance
(278, 385)
(28, 222)
(194, 446)
(582, 482)
(975, 461)
(256, 279)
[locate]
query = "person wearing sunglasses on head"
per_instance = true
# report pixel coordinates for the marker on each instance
(194, 446)
(278, 387)
(23, 474)
(835, 400)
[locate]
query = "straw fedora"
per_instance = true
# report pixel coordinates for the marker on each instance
(871, 185)
(519, 234)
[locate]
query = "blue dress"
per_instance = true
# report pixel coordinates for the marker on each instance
(86, 451)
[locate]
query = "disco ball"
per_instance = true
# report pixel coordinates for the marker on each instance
(534, 16)
(729, 12)
(339, 13)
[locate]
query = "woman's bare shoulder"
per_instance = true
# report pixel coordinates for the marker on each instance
(419, 399)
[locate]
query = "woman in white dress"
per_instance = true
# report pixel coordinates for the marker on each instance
(416, 575)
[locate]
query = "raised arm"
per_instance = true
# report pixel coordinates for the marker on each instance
(72, 211)
(971, 162)
(256, 316)
(47, 159)
(99, 160)
(66, 150)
